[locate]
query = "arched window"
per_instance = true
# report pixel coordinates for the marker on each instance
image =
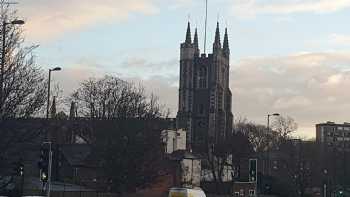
(202, 77)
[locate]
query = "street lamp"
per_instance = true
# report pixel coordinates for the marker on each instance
(17, 22)
(3, 56)
(48, 90)
(268, 130)
(325, 172)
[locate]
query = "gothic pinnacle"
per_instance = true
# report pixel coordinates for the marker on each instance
(188, 34)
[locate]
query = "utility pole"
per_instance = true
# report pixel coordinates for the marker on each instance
(268, 151)
(48, 189)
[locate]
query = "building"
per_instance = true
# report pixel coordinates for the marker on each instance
(205, 99)
(334, 136)
(173, 140)
(186, 169)
(244, 189)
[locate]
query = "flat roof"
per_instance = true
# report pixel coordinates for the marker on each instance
(333, 124)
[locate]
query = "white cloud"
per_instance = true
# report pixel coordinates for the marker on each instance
(335, 79)
(251, 8)
(310, 87)
(49, 19)
(291, 102)
(339, 39)
(176, 4)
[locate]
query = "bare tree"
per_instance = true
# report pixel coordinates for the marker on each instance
(22, 92)
(111, 98)
(262, 138)
(284, 126)
(22, 84)
(258, 135)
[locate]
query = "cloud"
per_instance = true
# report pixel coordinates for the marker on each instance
(160, 78)
(177, 4)
(339, 39)
(70, 77)
(164, 88)
(144, 68)
(310, 87)
(251, 8)
(50, 19)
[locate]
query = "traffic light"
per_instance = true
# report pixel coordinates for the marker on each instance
(43, 164)
(340, 193)
(21, 169)
(18, 168)
(43, 176)
(253, 170)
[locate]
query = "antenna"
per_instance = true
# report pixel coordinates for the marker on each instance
(206, 24)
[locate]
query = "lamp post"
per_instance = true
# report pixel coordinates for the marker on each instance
(325, 183)
(48, 90)
(268, 130)
(48, 189)
(3, 57)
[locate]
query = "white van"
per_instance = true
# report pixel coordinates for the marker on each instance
(186, 192)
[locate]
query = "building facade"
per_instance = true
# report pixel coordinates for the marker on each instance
(205, 99)
(334, 136)
(173, 140)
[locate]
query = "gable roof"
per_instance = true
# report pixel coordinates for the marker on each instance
(76, 154)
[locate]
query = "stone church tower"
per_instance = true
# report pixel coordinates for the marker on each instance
(205, 99)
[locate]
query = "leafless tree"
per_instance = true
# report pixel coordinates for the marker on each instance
(22, 90)
(284, 126)
(263, 138)
(258, 135)
(22, 84)
(111, 98)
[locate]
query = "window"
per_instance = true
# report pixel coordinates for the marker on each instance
(251, 192)
(241, 192)
(202, 78)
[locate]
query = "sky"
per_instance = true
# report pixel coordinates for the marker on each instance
(287, 56)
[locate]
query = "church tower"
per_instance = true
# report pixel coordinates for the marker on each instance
(205, 99)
